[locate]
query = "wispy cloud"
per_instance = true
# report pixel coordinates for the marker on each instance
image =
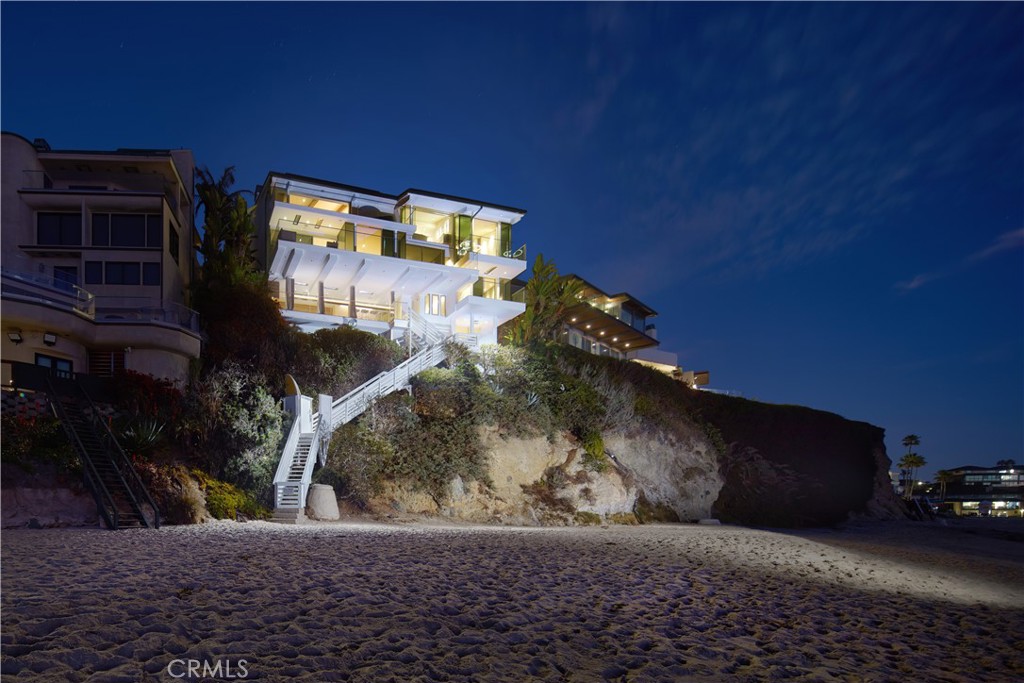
(1014, 239)
(737, 163)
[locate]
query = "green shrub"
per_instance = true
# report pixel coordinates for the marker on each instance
(233, 419)
(37, 444)
(224, 501)
(594, 458)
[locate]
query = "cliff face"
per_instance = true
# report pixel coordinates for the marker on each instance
(785, 466)
(794, 466)
(537, 481)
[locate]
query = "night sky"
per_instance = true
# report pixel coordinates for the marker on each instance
(824, 202)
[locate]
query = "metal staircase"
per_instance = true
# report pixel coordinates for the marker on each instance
(122, 500)
(310, 432)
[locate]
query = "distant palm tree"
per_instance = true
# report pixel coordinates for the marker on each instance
(911, 462)
(944, 477)
(911, 440)
(1006, 463)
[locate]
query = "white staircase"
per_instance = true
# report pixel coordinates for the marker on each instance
(311, 432)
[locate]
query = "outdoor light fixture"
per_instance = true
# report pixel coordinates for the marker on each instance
(49, 338)
(15, 336)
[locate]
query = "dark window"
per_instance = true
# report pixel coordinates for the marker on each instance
(172, 243)
(101, 230)
(94, 272)
(65, 277)
(151, 273)
(62, 367)
(127, 230)
(121, 273)
(64, 229)
(154, 230)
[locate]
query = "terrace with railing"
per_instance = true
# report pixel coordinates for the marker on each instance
(37, 288)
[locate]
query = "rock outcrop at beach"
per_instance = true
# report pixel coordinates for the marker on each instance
(793, 466)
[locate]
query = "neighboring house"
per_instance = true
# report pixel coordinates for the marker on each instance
(621, 326)
(987, 491)
(97, 259)
(342, 255)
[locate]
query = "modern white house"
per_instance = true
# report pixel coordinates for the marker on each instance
(96, 260)
(621, 326)
(336, 254)
(417, 267)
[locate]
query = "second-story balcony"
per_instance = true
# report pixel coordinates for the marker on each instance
(39, 289)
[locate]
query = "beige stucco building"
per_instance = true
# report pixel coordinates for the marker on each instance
(97, 260)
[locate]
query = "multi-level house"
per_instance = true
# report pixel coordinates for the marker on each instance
(97, 259)
(621, 326)
(337, 254)
(417, 267)
(986, 491)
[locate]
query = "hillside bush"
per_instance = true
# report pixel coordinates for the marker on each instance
(235, 421)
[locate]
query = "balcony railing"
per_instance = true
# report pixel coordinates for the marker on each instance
(168, 312)
(466, 248)
(39, 287)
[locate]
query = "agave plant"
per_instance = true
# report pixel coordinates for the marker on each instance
(142, 436)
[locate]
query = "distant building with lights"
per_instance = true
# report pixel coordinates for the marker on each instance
(621, 326)
(986, 491)
(97, 260)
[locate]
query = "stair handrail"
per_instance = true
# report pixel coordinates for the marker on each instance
(371, 389)
(287, 453)
(307, 471)
(420, 326)
(98, 488)
(122, 465)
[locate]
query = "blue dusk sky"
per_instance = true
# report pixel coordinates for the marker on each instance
(824, 202)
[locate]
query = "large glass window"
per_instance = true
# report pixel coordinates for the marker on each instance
(61, 229)
(486, 237)
(122, 273)
(138, 230)
(368, 240)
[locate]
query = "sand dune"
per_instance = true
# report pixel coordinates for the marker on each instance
(375, 602)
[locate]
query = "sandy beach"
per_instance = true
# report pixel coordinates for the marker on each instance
(430, 602)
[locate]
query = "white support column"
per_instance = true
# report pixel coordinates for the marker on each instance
(289, 293)
(320, 307)
(352, 301)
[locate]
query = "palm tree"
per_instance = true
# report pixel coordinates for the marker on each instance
(549, 296)
(228, 230)
(944, 477)
(911, 462)
(911, 440)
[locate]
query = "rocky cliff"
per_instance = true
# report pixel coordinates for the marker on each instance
(773, 466)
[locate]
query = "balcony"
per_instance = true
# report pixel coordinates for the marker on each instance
(497, 290)
(124, 310)
(39, 288)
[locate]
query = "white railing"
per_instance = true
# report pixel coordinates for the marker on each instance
(352, 404)
(284, 486)
(425, 330)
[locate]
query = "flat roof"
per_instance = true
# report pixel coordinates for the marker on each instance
(632, 299)
(387, 195)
